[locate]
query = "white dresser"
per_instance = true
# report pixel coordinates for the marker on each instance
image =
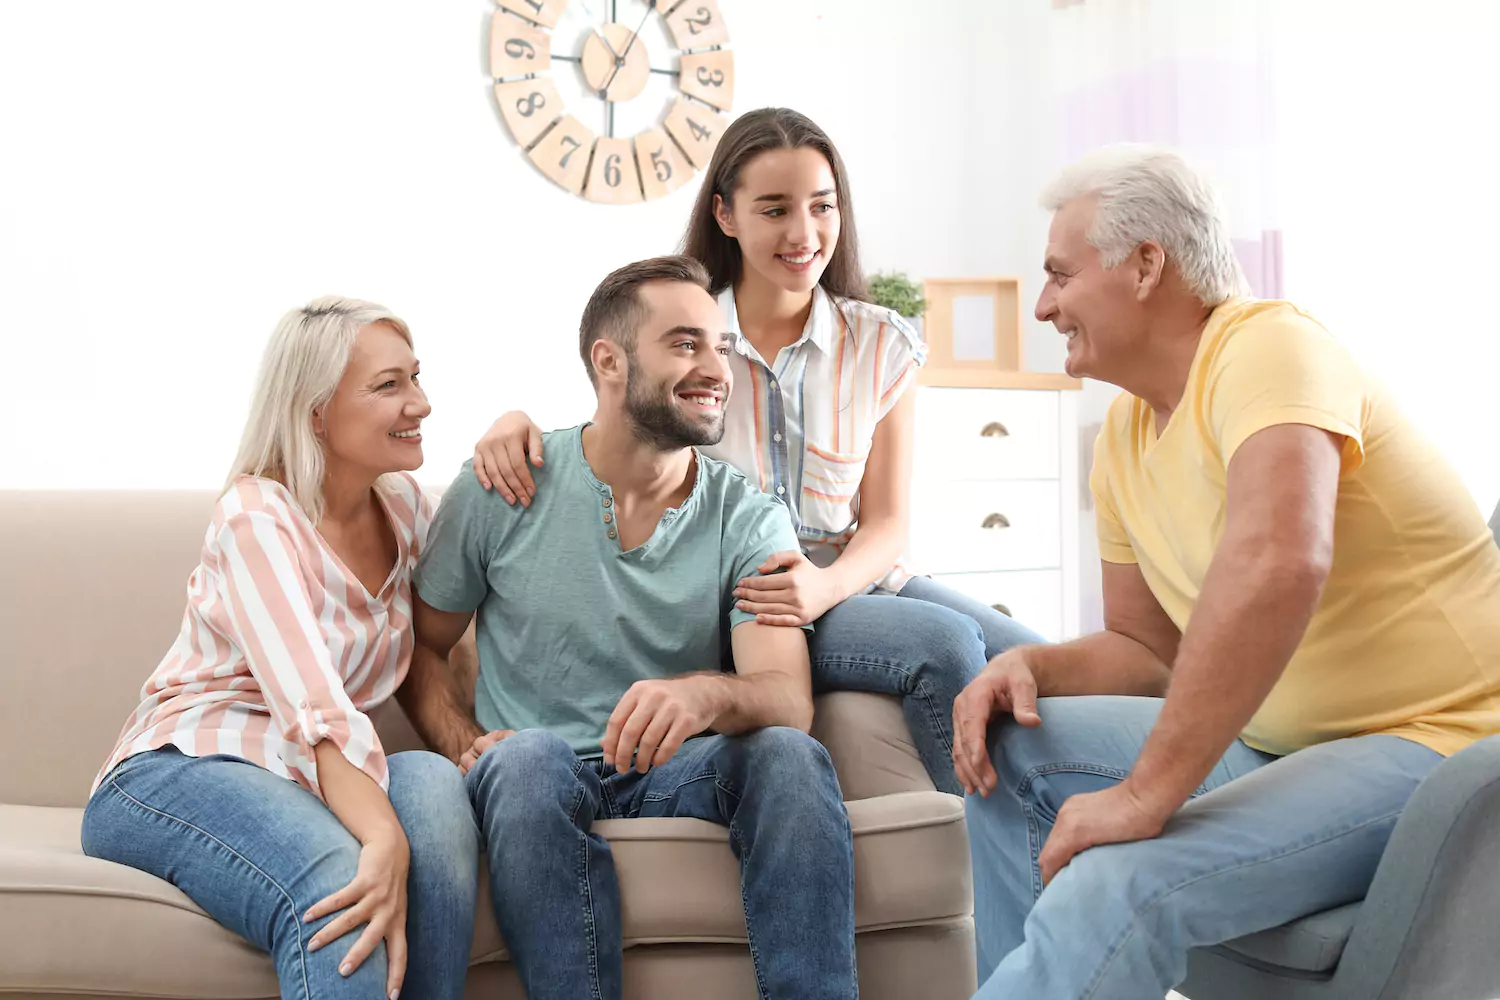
(995, 500)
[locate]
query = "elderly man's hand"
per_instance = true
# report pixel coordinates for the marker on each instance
(1113, 816)
(1006, 685)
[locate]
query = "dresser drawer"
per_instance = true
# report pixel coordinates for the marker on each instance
(986, 434)
(975, 527)
(1032, 598)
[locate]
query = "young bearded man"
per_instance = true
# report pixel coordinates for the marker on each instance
(603, 610)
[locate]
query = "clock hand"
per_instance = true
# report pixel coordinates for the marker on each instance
(611, 48)
(620, 62)
(650, 6)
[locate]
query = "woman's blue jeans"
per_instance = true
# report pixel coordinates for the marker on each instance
(924, 645)
(256, 851)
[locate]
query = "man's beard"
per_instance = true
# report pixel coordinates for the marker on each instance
(657, 420)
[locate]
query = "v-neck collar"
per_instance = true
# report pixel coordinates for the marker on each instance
(1153, 438)
(395, 526)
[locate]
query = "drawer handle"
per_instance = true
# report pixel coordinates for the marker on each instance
(994, 429)
(1003, 610)
(996, 521)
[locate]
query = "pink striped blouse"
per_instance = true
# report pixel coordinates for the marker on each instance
(281, 645)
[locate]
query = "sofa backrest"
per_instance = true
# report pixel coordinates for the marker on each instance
(93, 585)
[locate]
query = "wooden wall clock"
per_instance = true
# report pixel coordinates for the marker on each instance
(619, 75)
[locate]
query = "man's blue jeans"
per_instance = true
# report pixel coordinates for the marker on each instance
(924, 645)
(256, 851)
(556, 897)
(1265, 840)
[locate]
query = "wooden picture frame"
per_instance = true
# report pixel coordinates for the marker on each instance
(975, 333)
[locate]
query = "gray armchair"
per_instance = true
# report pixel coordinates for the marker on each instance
(1429, 928)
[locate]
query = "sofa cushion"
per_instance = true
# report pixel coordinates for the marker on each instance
(679, 883)
(867, 737)
(1312, 944)
(125, 556)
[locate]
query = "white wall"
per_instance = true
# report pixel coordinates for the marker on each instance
(176, 174)
(1387, 180)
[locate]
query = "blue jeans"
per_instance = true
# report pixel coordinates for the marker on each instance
(556, 897)
(1265, 840)
(925, 645)
(256, 851)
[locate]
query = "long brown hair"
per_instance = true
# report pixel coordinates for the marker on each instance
(751, 134)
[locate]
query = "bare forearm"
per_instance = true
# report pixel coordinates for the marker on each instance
(354, 797)
(1248, 623)
(869, 556)
(1100, 663)
(435, 706)
(758, 700)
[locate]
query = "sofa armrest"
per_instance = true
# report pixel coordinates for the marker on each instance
(1426, 928)
(868, 739)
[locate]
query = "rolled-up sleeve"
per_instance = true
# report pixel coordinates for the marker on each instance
(898, 356)
(276, 627)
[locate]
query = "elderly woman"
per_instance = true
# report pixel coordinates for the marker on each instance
(250, 775)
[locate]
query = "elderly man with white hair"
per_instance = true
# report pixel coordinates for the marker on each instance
(1300, 604)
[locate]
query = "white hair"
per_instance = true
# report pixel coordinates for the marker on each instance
(1151, 193)
(302, 366)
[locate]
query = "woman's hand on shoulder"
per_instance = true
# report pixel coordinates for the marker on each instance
(500, 457)
(798, 596)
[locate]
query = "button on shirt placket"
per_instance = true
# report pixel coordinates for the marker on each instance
(776, 412)
(609, 518)
(778, 437)
(783, 485)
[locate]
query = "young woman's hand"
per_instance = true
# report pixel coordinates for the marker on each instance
(500, 457)
(376, 900)
(796, 597)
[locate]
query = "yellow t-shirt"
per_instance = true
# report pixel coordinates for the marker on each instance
(1406, 640)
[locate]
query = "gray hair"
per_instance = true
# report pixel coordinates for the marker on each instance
(302, 366)
(1151, 193)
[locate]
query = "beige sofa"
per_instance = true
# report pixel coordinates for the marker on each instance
(91, 593)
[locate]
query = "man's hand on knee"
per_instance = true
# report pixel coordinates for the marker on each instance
(654, 718)
(1006, 685)
(471, 756)
(1113, 816)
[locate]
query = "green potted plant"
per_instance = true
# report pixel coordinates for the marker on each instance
(900, 294)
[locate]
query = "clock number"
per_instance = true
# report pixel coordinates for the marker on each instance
(519, 48)
(535, 5)
(695, 26)
(714, 79)
(576, 146)
(663, 168)
(612, 170)
(699, 132)
(530, 104)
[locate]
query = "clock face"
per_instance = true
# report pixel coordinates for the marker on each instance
(615, 100)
